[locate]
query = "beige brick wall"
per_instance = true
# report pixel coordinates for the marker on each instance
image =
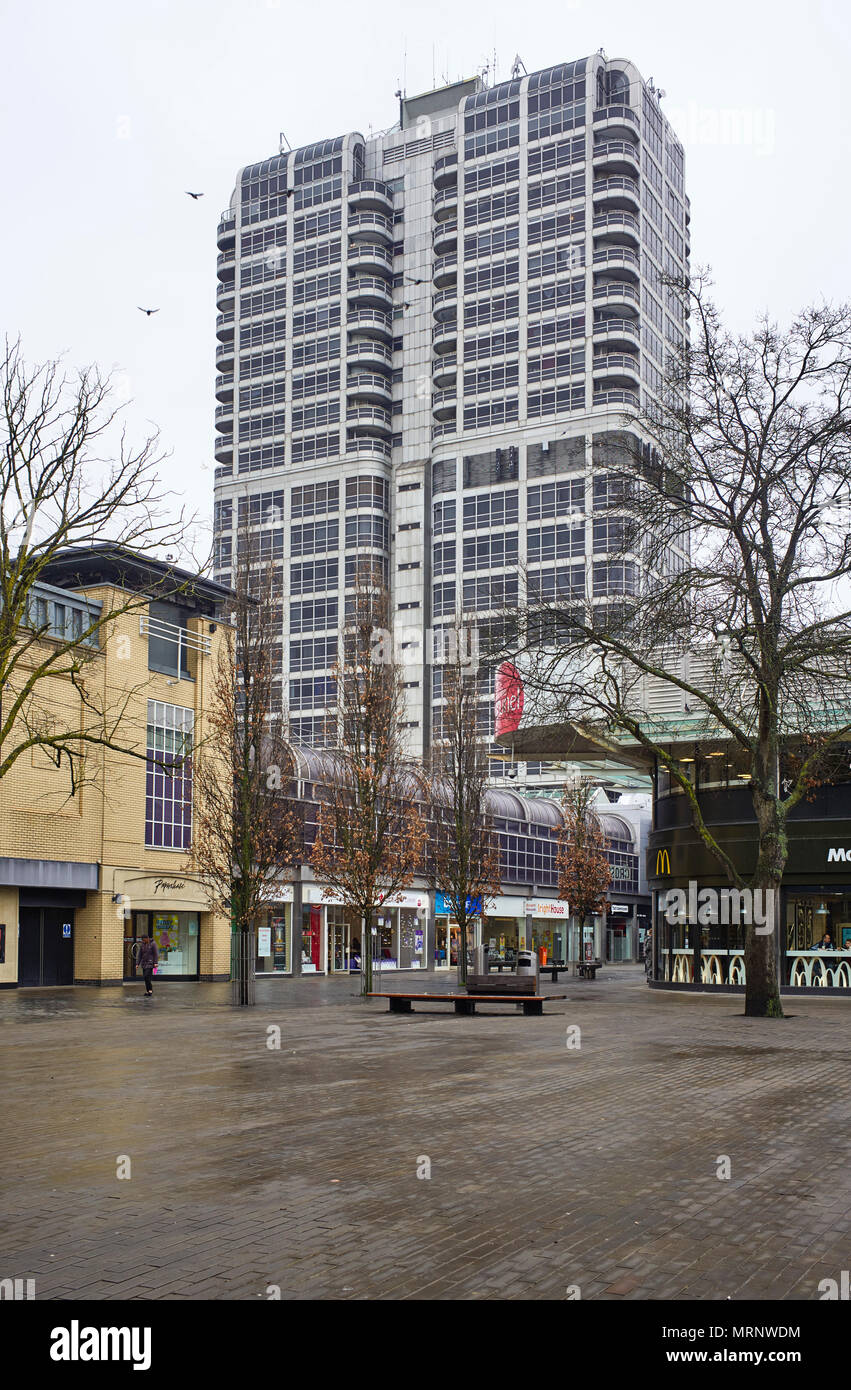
(9, 916)
(105, 823)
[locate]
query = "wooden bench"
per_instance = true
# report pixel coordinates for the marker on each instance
(588, 969)
(501, 984)
(466, 1003)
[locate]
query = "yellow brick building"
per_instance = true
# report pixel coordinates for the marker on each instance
(84, 874)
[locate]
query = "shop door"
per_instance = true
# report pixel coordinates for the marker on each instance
(340, 945)
(46, 946)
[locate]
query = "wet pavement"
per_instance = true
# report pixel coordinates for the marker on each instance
(255, 1167)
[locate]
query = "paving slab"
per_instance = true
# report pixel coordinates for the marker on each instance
(298, 1166)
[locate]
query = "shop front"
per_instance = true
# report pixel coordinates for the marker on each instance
(173, 911)
(447, 933)
(274, 935)
(549, 922)
(314, 929)
(399, 932)
(701, 923)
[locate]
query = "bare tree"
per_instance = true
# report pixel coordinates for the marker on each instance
(59, 491)
(463, 846)
(737, 538)
(582, 864)
(371, 829)
(247, 825)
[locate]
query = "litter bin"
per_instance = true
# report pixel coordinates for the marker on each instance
(527, 963)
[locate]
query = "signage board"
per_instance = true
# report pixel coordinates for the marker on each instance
(548, 907)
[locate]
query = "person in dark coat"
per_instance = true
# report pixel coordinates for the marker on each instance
(148, 957)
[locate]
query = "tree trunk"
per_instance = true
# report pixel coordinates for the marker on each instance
(462, 951)
(366, 954)
(242, 968)
(762, 953)
(762, 942)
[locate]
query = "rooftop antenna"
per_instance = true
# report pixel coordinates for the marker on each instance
(517, 65)
(282, 140)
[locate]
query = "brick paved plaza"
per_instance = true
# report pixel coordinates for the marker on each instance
(550, 1166)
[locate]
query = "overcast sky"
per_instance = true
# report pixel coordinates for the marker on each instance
(111, 110)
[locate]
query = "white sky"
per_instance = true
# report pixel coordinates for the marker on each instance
(109, 110)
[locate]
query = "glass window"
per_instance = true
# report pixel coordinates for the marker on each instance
(168, 790)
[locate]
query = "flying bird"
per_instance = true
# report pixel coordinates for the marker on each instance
(412, 281)
(193, 195)
(147, 311)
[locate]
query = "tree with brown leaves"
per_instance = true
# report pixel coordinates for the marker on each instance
(582, 865)
(463, 845)
(371, 831)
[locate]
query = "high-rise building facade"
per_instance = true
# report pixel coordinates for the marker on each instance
(428, 342)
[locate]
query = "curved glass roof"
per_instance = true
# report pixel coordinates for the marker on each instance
(268, 166)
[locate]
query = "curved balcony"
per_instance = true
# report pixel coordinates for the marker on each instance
(368, 387)
(612, 399)
(370, 195)
(438, 431)
(612, 332)
(445, 271)
(619, 262)
(621, 370)
(444, 336)
(368, 352)
(444, 405)
(617, 157)
(224, 357)
(225, 327)
(226, 230)
(617, 192)
(370, 291)
(369, 419)
(370, 256)
(446, 171)
(444, 304)
(445, 204)
(620, 119)
(223, 449)
(371, 321)
(224, 420)
(225, 297)
(374, 448)
(370, 226)
(444, 370)
(620, 227)
(224, 386)
(226, 273)
(445, 238)
(226, 258)
(618, 294)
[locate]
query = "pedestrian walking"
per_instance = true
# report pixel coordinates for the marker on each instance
(148, 957)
